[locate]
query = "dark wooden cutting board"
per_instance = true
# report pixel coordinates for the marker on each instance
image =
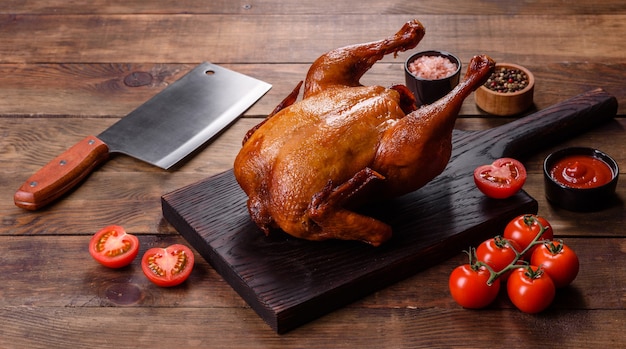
(289, 282)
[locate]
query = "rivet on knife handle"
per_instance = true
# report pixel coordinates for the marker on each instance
(61, 174)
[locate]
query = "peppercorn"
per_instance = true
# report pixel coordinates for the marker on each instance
(507, 80)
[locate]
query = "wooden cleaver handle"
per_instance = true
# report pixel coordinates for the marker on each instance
(61, 174)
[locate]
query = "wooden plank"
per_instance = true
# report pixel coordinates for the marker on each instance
(289, 281)
(129, 191)
(113, 90)
(271, 7)
(30, 277)
(44, 306)
(78, 281)
(28, 327)
(236, 39)
(35, 265)
(83, 89)
(120, 199)
(31, 142)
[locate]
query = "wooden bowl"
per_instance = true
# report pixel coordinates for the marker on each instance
(506, 103)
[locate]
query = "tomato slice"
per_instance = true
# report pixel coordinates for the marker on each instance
(502, 179)
(112, 247)
(168, 266)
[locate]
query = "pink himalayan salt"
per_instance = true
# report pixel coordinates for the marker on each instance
(432, 67)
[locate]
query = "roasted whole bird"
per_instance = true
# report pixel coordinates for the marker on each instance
(309, 164)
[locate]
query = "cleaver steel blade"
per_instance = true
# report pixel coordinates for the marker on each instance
(162, 131)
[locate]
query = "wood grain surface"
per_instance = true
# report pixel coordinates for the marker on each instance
(68, 69)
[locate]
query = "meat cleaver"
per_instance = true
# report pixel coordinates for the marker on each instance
(161, 132)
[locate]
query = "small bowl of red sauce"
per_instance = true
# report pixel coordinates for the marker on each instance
(580, 179)
(430, 75)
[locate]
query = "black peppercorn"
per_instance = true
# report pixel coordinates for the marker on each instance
(507, 80)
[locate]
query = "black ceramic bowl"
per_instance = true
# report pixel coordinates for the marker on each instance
(579, 199)
(427, 91)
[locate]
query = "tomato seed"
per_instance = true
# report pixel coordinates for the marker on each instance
(154, 267)
(181, 262)
(103, 240)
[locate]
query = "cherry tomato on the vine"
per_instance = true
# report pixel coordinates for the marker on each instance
(524, 228)
(112, 247)
(502, 179)
(498, 253)
(469, 287)
(168, 266)
(558, 260)
(530, 289)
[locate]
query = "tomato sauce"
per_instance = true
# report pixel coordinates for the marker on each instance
(581, 171)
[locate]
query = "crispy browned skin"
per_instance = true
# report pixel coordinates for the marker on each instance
(308, 161)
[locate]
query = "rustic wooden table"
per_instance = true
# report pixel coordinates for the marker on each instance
(70, 69)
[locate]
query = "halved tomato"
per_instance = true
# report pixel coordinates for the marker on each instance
(112, 247)
(502, 179)
(168, 266)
